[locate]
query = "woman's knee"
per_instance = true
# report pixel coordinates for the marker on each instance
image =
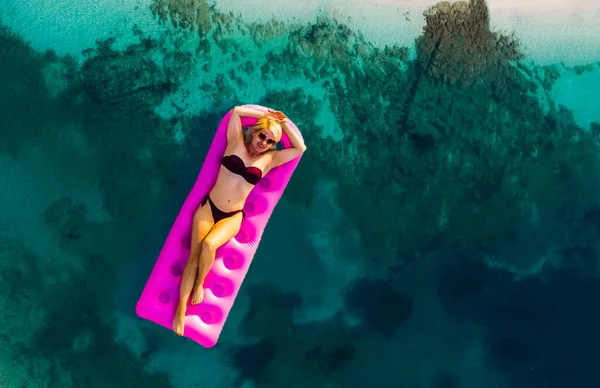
(209, 245)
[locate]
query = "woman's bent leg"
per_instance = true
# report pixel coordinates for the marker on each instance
(201, 225)
(221, 233)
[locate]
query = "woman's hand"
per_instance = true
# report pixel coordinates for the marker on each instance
(277, 115)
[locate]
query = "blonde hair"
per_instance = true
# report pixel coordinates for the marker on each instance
(262, 125)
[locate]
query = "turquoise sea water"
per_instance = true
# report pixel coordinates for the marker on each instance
(442, 230)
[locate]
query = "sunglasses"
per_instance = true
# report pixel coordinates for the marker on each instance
(264, 137)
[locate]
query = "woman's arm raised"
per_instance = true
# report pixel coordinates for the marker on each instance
(234, 128)
(298, 147)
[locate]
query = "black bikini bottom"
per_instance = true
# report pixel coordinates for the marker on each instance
(217, 213)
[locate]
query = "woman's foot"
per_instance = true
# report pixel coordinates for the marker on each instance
(198, 295)
(179, 321)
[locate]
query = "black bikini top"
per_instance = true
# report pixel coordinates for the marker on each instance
(236, 165)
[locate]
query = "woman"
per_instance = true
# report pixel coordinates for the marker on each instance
(247, 158)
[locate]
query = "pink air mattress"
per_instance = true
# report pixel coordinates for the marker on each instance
(204, 322)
